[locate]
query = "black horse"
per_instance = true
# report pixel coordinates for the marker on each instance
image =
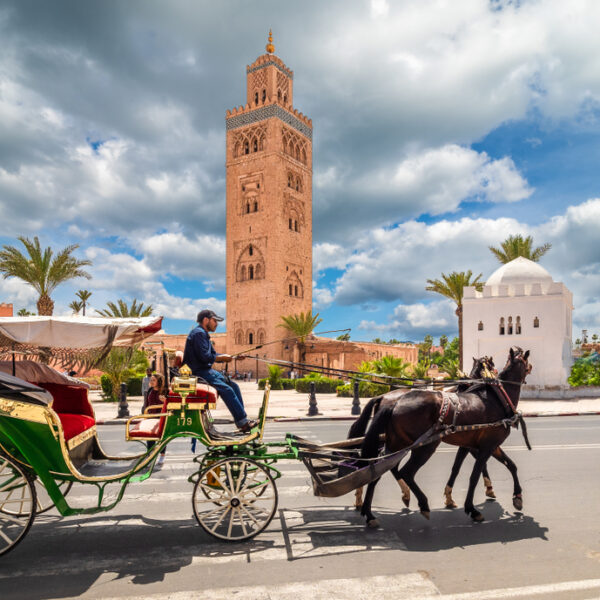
(482, 368)
(402, 423)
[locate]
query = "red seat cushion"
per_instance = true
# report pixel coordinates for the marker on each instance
(75, 424)
(146, 428)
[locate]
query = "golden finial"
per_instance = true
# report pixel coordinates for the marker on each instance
(270, 48)
(185, 371)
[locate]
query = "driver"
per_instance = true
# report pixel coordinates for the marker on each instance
(199, 355)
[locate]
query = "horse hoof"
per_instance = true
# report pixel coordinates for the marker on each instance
(373, 524)
(518, 502)
(489, 492)
(451, 504)
(426, 514)
(358, 507)
(477, 516)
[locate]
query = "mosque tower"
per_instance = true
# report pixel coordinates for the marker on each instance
(269, 209)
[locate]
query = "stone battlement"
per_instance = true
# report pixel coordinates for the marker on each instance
(519, 289)
(6, 309)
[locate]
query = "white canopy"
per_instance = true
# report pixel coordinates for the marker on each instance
(78, 332)
(37, 373)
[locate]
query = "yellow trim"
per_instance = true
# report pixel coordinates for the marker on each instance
(23, 411)
(192, 406)
(82, 437)
(128, 437)
(265, 404)
(229, 441)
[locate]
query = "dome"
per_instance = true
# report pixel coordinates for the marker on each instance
(519, 270)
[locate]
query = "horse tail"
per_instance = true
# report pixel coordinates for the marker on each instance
(371, 443)
(360, 425)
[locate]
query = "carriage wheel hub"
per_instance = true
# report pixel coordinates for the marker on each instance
(235, 502)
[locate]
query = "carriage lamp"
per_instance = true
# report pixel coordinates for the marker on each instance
(184, 384)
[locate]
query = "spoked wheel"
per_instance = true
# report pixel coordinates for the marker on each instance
(234, 499)
(43, 501)
(17, 504)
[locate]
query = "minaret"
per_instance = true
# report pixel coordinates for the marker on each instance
(269, 209)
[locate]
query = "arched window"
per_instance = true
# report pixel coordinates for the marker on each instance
(246, 147)
(261, 337)
(243, 273)
(250, 338)
(304, 156)
(264, 95)
(518, 326)
(255, 97)
(297, 153)
(250, 250)
(295, 225)
(247, 207)
(255, 145)
(255, 206)
(536, 322)
(279, 95)
(257, 271)
(285, 98)
(480, 326)
(250, 272)
(290, 223)
(290, 180)
(290, 289)
(239, 338)
(510, 326)
(501, 325)
(296, 290)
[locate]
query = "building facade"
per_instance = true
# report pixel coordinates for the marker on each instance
(269, 208)
(521, 305)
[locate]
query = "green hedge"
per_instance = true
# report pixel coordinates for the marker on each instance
(287, 384)
(324, 385)
(366, 389)
(134, 388)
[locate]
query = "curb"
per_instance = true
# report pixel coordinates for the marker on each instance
(582, 413)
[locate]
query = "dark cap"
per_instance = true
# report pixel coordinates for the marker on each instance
(208, 314)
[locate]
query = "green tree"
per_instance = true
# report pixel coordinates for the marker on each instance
(345, 337)
(84, 296)
(76, 307)
(443, 341)
(23, 312)
(419, 371)
(392, 366)
(42, 269)
(122, 363)
(275, 375)
(378, 340)
(301, 326)
(516, 245)
(121, 310)
(452, 286)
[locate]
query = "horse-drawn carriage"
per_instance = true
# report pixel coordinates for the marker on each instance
(49, 440)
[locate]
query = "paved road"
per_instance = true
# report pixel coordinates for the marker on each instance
(150, 546)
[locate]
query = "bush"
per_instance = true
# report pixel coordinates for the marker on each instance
(366, 389)
(324, 385)
(134, 386)
(286, 384)
(585, 371)
(107, 391)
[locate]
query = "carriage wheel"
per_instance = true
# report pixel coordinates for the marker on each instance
(17, 504)
(234, 499)
(43, 501)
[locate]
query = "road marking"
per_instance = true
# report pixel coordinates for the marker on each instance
(530, 590)
(507, 447)
(411, 586)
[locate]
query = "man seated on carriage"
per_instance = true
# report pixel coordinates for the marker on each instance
(199, 355)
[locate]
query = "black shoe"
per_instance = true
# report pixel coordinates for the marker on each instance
(249, 426)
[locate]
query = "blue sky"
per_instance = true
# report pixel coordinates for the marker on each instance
(440, 128)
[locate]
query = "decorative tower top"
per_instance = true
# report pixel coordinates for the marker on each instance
(269, 47)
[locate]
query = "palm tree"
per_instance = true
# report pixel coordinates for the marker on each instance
(419, 371)
(84, 296)
(452, 286)
(23, 312)
(443, 341)
(120, 309)
(122, 363)
(300, 326)
(76, 306)
(516, 245)
(40, 270)
(392, 366)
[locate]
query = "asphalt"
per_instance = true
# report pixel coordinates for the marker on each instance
(289, 405)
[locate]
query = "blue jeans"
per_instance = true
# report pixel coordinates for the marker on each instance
(229, 391)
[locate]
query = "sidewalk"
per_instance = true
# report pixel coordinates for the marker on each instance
(289, 405)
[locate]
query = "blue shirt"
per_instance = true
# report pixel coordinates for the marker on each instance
(199, 354)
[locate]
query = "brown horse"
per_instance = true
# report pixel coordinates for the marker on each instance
(482, 367)
(422, 411)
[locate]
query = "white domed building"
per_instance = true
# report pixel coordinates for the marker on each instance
(521, 305)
